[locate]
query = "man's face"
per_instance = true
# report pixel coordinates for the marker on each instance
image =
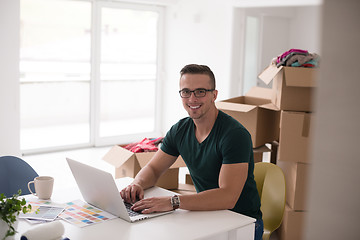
(197, 107)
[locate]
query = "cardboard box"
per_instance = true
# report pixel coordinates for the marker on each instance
(259, 153)
(295, 136)
(293, 87)
(185, 189)
(259, 92)
(292, 227)
(128, 164)
(257, 115)
(296, 178)
(188, 179)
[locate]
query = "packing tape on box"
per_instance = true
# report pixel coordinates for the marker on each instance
(46, 231)
(306, 125)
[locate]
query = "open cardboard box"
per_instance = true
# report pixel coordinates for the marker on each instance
(260, 92)
(128, 164)
(258, 115)
(295, 136)
(293, 87)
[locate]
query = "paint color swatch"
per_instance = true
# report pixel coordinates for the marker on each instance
(82, 214)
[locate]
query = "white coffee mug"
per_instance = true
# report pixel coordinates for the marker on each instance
(43, 186)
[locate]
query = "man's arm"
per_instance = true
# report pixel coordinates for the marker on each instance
(147, 176)
(231, 182)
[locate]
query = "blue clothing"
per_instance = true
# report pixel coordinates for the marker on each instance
(259, 229)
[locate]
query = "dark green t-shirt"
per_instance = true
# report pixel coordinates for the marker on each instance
(228, 142)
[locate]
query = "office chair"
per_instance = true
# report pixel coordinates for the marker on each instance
(270, 182)
(15, 174)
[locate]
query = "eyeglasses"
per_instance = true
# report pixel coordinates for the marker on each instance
(199, 92)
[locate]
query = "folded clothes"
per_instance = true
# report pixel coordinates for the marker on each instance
(296, 58)
(291, 51)
(301, 59)
(285, 59)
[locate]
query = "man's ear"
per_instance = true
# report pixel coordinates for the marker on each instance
(215, 92)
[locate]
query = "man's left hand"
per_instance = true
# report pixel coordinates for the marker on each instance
(154, 204)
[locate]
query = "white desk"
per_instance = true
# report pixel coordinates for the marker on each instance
(180, 225)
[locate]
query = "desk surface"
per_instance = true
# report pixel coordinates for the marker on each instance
(181, 224)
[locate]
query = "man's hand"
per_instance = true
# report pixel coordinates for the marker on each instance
(155, 204)
(132, 193)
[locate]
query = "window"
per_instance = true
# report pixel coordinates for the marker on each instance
(88, 73)
(127, 71)
(252, 29)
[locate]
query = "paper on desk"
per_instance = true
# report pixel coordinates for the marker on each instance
(82, 214)
(42, 211)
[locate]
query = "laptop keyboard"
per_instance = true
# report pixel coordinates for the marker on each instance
(131, 212)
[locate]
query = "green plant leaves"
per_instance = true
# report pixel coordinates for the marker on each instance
(10, 208)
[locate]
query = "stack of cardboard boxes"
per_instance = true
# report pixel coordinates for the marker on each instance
(293, 90)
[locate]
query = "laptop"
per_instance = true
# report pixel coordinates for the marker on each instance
(99, 189)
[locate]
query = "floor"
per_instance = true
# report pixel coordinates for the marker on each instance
(55, 165)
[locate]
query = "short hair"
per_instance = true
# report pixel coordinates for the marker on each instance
(199, 69)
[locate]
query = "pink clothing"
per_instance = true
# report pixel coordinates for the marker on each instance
(293, 50)
(146, 145)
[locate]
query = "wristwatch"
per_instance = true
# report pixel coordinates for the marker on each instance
(175, 202)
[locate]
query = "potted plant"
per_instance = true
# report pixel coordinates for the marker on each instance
(10, 208)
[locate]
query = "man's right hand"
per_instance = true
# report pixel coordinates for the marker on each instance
(132, 193)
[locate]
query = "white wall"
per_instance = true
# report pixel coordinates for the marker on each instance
(334, 195)
(9, 90)
(306, 28)
(196, 32)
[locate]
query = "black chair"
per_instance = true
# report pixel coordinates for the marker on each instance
(15, 174)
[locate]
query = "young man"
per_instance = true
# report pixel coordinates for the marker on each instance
(217, 150)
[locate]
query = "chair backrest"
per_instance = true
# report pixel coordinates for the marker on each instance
(270, 182)
(15, 173)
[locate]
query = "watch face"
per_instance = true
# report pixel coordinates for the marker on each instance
(175, 202)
